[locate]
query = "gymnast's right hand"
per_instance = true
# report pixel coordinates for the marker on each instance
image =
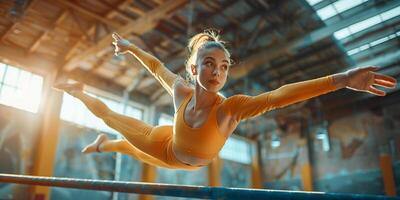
(70, 88)
(121, 45)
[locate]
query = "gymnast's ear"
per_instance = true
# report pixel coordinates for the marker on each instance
(193, 69)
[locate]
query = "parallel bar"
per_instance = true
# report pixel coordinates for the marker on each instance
(201, 192)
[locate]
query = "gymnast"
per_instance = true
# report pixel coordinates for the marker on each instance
(203, 118)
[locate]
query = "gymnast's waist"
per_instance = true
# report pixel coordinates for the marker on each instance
(190, 158)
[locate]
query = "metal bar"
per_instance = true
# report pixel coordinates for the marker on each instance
(202, 192)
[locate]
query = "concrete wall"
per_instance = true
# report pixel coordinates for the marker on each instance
(182, 177)
(234, 174)
(70, 162)
(352, 165)
(18, 136)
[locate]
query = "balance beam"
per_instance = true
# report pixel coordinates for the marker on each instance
(201, 192)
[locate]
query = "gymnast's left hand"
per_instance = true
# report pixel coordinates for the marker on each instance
(122, 46)
(365, 79)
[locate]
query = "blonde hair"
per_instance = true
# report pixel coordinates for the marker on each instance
(207, 39)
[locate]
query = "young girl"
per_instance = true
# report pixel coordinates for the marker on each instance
(204, 119)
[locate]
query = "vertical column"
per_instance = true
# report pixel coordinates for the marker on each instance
(306, 174)
(387, 174)
(46, 146)
(256, 175)
(307, 164)
(149, 172)
(214, 172)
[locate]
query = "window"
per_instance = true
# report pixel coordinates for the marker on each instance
(337, 7)
(371, 44)
(73, 110)
(165, 119)
(379, 41)
(365, 24)
(236, 150)
(134, 112)
(357, 27)
(326, 12)
(342, 33)
(390, 14)
(343, 5)
(16, 85)
(353, 51)
(313, 2)
(2, 71)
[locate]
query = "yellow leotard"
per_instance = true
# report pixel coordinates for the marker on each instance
(154, 145)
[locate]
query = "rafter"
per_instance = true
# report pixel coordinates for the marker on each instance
(157, 94)
(106, 85)
(264, 56)
(100, 62)
(216, 8)
(36, 62)
(139, 26)
(72, 50)
(80, 25)
(116, 10)
(13, 26)
(84, 11)
(136, 10)
(59, 19)
(75, 46)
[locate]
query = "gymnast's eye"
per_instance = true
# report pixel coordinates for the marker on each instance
(209, 64)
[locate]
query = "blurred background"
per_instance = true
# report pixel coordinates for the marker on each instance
(339, 142)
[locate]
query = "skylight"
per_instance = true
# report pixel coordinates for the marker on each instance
(365, 24)
(373, 43)
(337, 7)
(313, 2)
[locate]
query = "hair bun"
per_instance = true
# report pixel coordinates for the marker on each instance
(201, 38)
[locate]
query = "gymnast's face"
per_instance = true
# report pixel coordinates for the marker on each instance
(211, 69)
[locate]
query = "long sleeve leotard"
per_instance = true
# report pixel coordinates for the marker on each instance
(155, 144)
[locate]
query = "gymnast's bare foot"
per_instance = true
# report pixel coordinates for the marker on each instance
(96, 145)
(70, 88)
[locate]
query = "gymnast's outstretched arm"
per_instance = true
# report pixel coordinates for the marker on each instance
(152, 64)
(359, 79)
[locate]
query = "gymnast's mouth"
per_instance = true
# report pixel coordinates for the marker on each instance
(214, 82)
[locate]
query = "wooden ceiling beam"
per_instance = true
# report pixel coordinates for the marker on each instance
(106, 85)
(13, 26)
(59, 19)
(100, 62)
(135, 10)
(85, 36)
(80, 26)
(290, 47)
(182, 52)
(139, 26)
(33, 62)
(168, 37)
(84, 11)
(216, 8)
(118, 10)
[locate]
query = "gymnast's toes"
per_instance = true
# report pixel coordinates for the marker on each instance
(96, 145)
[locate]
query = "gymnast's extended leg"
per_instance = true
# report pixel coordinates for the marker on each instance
(104, 144)
(148, 142)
